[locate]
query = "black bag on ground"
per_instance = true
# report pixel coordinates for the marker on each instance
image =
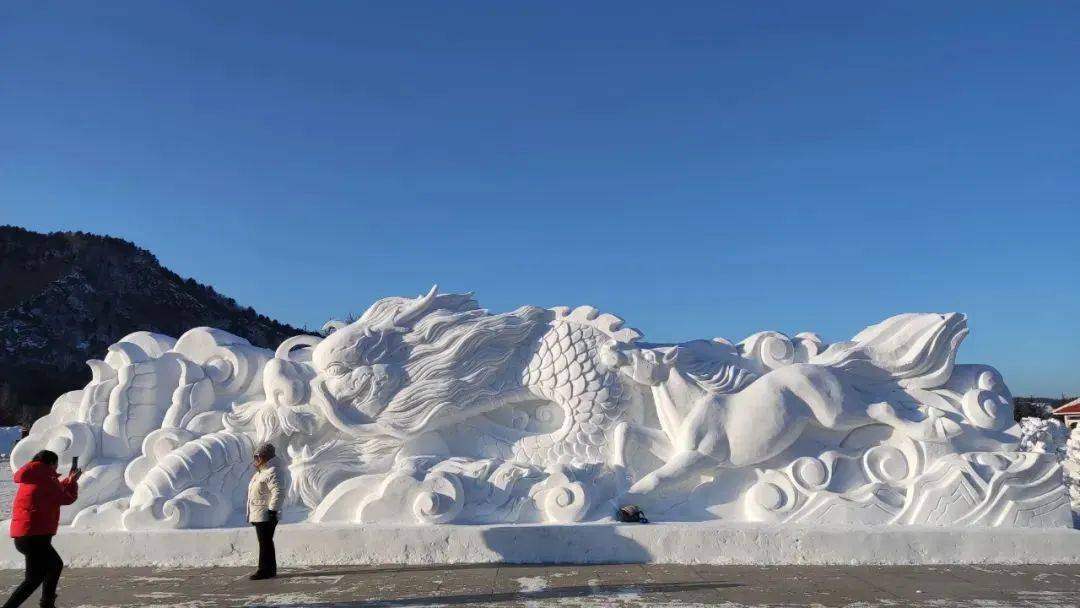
(631, 514)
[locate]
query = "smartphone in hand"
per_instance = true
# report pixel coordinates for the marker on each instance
(74, 463)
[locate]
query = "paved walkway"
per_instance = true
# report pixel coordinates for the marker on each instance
(576, 586)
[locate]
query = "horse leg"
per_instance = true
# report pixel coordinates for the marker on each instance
(885, 413)
(666, 481)
(700, 444)
(619, 441)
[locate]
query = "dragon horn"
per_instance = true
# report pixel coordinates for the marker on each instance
(670, 356)
(417, 308)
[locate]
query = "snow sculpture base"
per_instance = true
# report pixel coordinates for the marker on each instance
(675, 543)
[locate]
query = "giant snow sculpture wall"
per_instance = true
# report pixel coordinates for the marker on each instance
(432, 410)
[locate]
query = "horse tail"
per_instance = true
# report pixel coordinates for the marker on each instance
(915, 350)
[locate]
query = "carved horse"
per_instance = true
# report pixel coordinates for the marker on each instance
(730, 417)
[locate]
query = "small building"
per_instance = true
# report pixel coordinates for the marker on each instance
(1069, 413)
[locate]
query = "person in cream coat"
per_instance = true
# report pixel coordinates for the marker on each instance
(264, 499)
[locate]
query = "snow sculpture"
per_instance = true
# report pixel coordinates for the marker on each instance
(432, 410)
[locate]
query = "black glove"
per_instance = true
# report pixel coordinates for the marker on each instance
(273, 516)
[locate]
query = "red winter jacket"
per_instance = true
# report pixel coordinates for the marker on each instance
(36, 510)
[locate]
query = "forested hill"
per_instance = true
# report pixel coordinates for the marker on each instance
(66, 296)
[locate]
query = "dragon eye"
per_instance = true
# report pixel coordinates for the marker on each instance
(336, 369)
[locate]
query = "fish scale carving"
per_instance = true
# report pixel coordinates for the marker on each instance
(566, 370)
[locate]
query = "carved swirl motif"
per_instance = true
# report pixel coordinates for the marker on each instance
(996, 462)
(772, 497)
(986, 409)
(810, 474)
(233, 364)
(219, 369)
(519, 420)
(560, 497)
(886, 464)
(807, 345)
(776, 352)
(439, 500)
(991, 381)
(565, 503)
(771, 348)
(67, 440)
(547, 413)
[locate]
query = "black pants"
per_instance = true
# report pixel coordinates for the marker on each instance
(43, 565)
(264, 530)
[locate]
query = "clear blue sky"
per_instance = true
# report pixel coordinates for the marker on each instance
(706, 169)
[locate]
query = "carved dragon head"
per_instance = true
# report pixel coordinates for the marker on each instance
(362, 363)
(405, 361)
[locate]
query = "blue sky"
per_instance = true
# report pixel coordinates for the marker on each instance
(707, 169)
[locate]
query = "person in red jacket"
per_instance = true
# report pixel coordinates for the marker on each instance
(35, 516)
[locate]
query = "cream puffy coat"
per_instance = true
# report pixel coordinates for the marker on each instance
(264, 493)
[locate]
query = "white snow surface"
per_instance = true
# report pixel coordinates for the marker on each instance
(532, 584)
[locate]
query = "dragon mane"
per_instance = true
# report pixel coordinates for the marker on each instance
(455, 356)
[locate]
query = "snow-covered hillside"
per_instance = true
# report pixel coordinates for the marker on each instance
(9, 435)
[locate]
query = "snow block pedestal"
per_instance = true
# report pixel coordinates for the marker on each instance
(676, 543)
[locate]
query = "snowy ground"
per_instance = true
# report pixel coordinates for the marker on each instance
(623, 586)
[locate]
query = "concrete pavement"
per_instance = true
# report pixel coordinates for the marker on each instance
(576, 586)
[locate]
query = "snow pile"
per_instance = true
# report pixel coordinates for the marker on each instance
(1043, 436)
(1049, 436)
(1072, 467)
(532, 584)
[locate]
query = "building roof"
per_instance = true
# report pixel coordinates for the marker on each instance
(1072, 407)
